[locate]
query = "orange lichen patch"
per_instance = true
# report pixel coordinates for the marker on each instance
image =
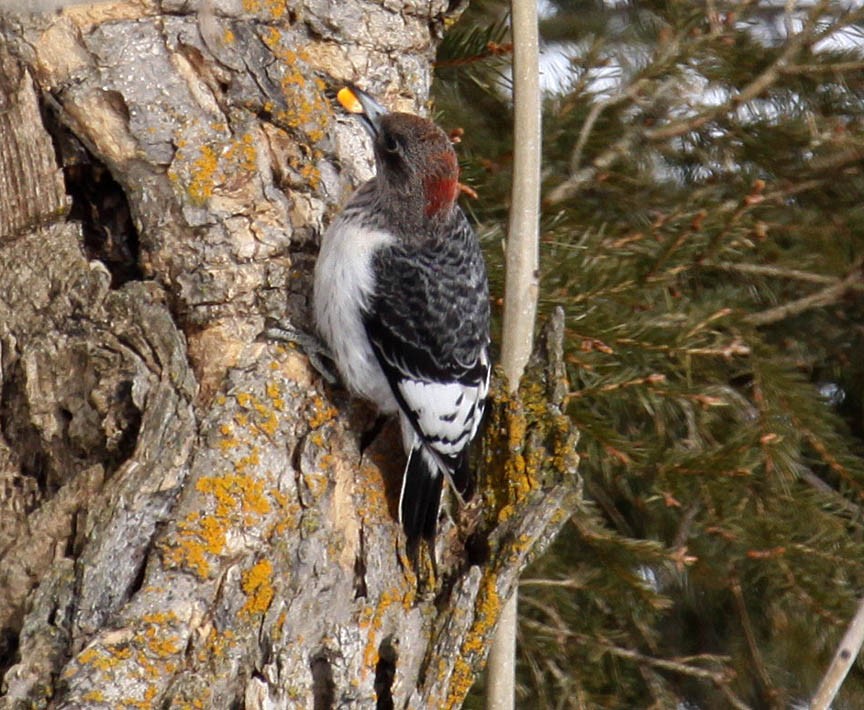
(236, 492)
(274, 9)
(228, 438)
(263, 416)
(160, 617)
(515, 467)
(155, 644)
(372, 620)
(140, 657)
(213, 165)
(257, 586)
(202, 174)
(274, 392)
(252, 459)
(197, 537)
(228, 443)
(370, 491)
(216, 645)
(236, 499)
(310, 174)
(159, 644)
(241, 154)
(289, 513)
(487, 609)
(239, 500)
(305, 106)
(268, 423)
(279, 626)
(316, 483)
(272, 37)
(104, 658)
(320, 412)
(144, 703)
(143, 656)
(188, 550)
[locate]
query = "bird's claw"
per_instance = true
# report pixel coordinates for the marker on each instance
(318, 354)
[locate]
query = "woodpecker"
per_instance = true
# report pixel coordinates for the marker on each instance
(402, 301)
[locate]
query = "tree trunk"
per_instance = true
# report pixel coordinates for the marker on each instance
(186, 519)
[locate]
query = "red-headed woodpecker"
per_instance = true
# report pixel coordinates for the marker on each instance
(402, 301)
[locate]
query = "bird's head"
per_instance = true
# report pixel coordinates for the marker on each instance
(415, 159)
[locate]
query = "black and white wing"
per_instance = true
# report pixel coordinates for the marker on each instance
(428, 324)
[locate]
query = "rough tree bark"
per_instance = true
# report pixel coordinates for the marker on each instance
(185, 517)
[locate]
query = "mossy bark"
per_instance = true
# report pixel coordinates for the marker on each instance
(185, 517)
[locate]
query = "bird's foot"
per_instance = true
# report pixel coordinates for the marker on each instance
(318, 354)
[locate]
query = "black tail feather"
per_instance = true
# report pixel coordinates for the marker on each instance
(430, 525)
(421, 496)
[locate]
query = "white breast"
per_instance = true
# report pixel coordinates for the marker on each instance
(344, 283)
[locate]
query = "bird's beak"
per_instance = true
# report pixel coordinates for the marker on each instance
(370, 111)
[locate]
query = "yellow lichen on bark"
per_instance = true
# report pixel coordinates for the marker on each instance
(273, 9)
(288, 513)
(372, 619)
(238, 500)
(274, 393)
(149, 653)
(487, 609)
(213, 165)
(258, 588)
(305, 108)
(236, 491)
(260, 417)
(202, 173)
(320, 412)
(370, 493)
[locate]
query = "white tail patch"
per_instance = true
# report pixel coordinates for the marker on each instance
(448, 413)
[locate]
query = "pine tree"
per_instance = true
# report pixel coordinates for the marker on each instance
(703, 231)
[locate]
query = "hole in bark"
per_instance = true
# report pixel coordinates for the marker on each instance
(138, 580)
(385, 674)
(323, 687)
(9, 641)
(360, 590)
(477, 549)
(98, 203)
(130, 416)
(69, 548)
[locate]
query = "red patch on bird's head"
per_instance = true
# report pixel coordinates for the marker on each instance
(442, 184)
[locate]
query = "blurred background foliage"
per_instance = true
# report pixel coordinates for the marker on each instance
(703, 227)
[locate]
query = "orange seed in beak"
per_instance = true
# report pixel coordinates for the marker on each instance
(349, 101)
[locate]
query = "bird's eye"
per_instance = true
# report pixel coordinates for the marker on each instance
(391, 145)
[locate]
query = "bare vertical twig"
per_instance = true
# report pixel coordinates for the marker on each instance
(521, 285)
(845, 656)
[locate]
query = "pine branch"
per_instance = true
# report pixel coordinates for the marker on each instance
(779, 272)
(854, 281)
(768, 688)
